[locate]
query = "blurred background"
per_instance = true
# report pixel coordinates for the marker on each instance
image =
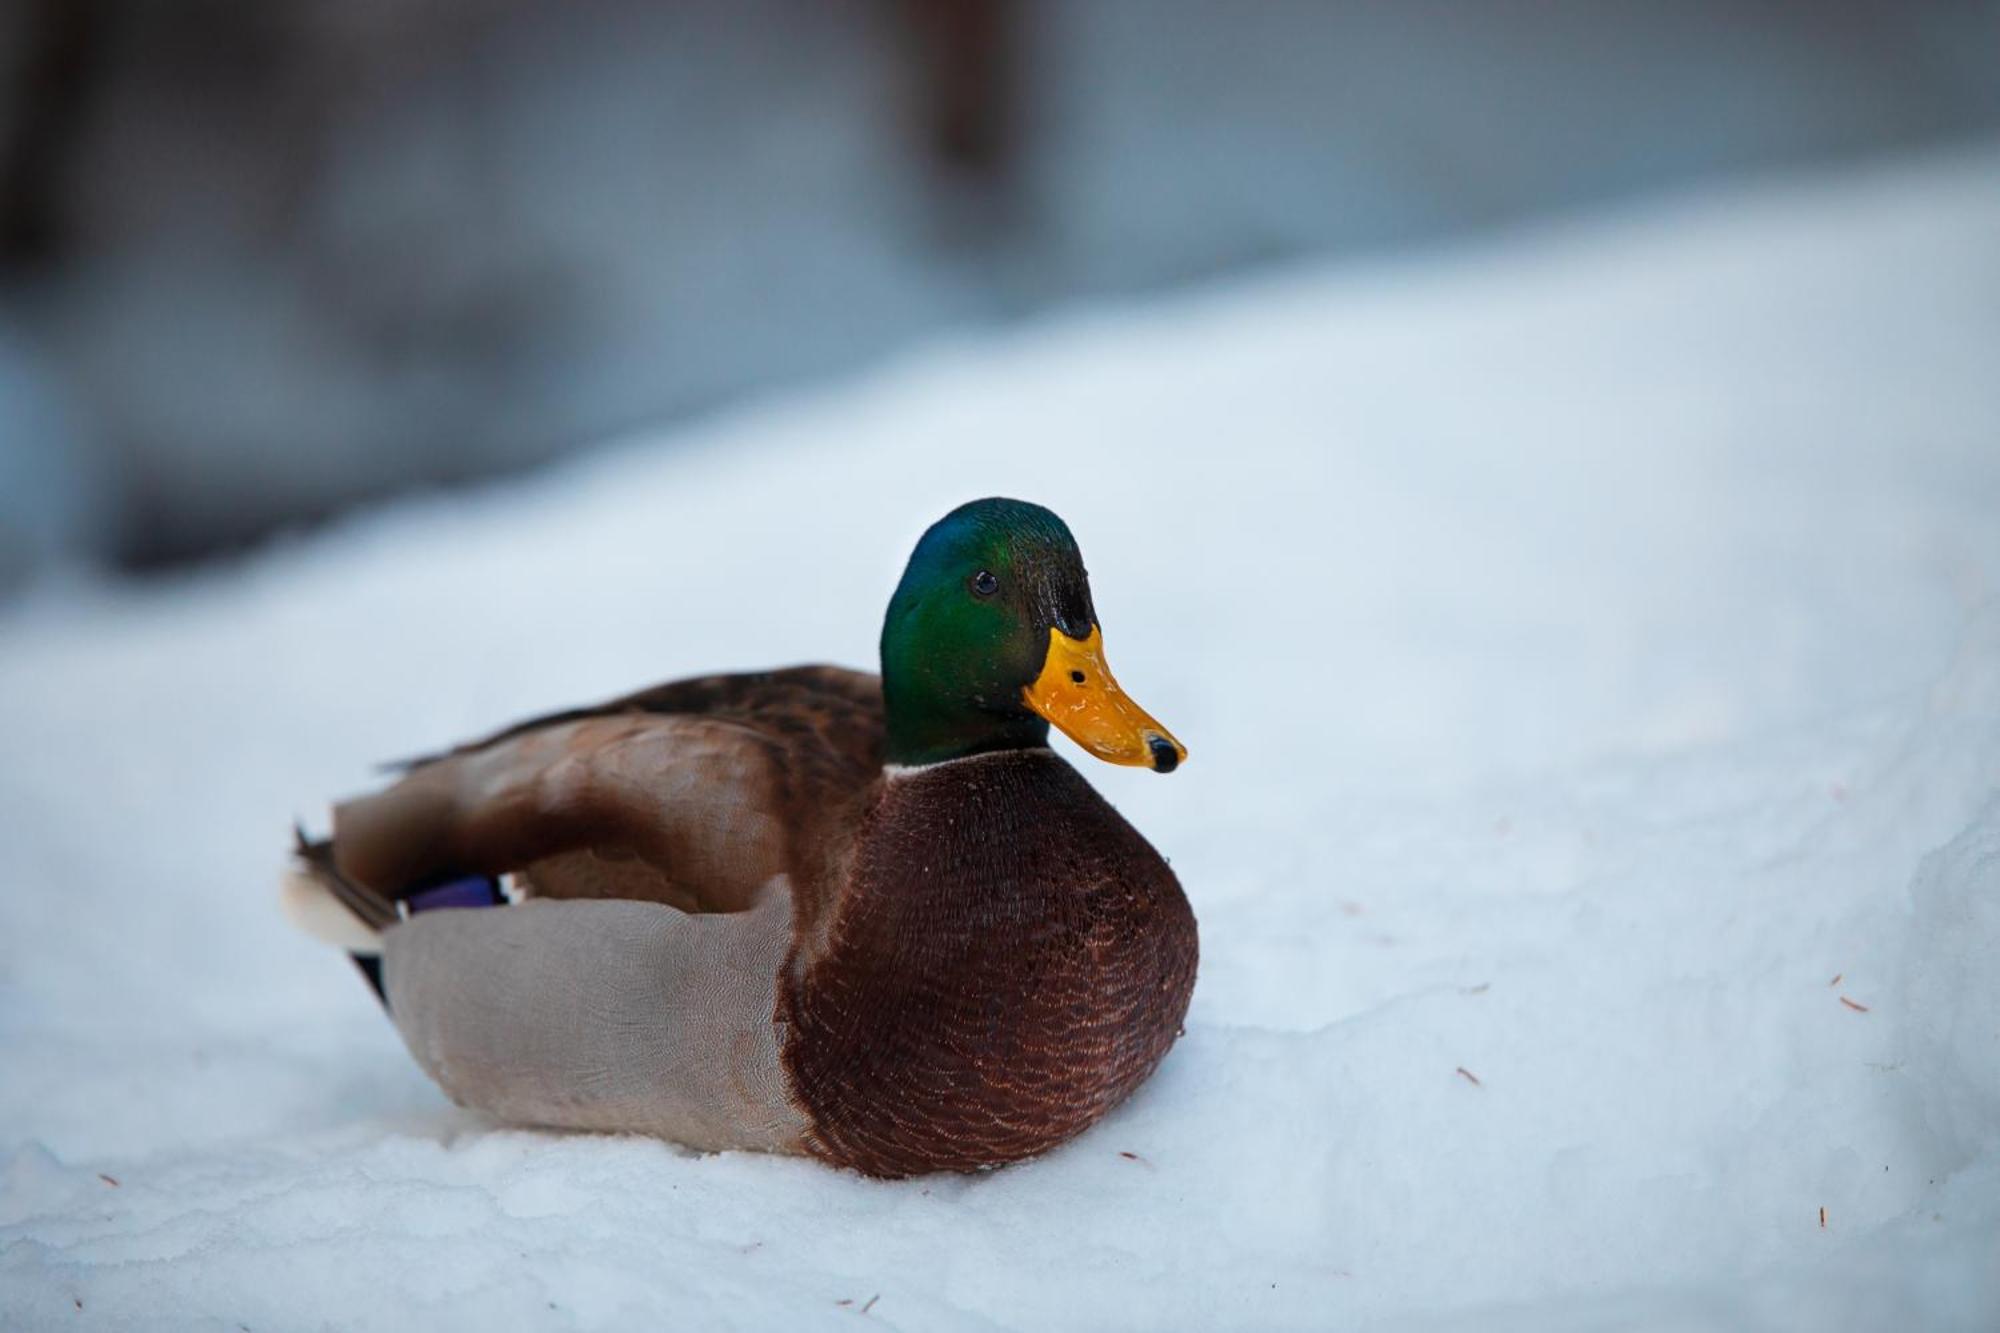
(261, 260)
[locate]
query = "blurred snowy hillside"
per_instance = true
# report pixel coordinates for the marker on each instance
(259, 262)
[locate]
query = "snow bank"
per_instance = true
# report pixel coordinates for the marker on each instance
(1590, 655)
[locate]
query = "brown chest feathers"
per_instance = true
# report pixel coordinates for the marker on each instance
(1007, 962)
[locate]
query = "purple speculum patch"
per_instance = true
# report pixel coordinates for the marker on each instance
(470, 891)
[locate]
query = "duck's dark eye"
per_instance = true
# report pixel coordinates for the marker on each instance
(984, 584)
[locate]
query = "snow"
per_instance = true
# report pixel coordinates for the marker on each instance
(1588, 644)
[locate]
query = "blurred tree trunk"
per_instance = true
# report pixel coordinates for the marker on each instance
(966, 49)
(59, 64)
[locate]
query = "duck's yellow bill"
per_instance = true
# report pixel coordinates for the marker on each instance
(1077, 693)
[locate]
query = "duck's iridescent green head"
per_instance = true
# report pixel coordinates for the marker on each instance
(991, 636)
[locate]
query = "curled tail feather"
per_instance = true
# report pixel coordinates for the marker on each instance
(327, 905)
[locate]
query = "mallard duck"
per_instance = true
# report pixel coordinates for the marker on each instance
(873, 920)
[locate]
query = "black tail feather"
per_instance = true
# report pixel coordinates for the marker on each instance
(370, 968)
(377, 911)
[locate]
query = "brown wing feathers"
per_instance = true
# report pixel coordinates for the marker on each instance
(795, 693)
(687, 793)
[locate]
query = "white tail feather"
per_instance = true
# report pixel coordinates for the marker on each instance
(311, 906)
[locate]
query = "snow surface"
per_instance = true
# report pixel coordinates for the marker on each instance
(1589, 647)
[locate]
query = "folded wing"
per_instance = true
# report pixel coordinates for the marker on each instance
(693, 794)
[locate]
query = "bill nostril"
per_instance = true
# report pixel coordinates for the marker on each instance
(1076, 676)
(1165, 757)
